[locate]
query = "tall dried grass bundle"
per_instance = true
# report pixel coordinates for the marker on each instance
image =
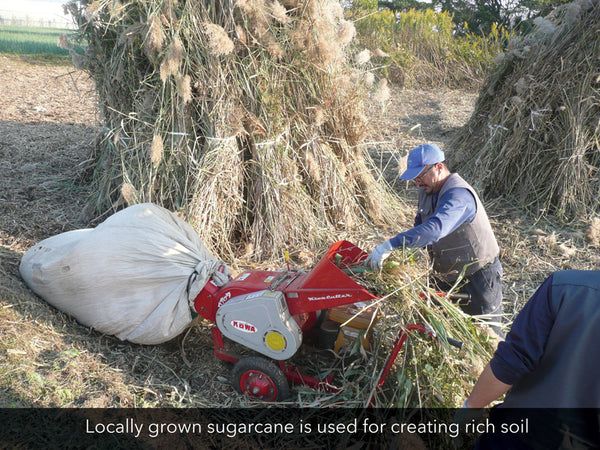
(534, 134)
(173, 59)
(259, 119)
(156, 150)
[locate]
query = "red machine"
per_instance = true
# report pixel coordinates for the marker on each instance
(271, 312)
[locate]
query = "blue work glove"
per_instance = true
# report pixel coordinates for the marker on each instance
(375, 259)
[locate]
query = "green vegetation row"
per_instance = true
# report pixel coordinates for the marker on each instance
(422, 48)
(31, 40)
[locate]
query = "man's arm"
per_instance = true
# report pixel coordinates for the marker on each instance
(454, 208)
(520, 353)
(487, 389)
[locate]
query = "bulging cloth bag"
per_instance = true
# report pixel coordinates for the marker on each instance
(134, 276)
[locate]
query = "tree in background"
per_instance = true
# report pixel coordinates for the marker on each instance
(479, 16)
(403, 5)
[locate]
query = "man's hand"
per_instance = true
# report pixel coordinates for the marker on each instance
(464, 416)
(375, 259)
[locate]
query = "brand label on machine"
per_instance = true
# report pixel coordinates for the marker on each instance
(224, 299)
(243, 326)
(330, 297)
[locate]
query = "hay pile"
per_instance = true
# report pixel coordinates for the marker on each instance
(244, 115)
(534, 134)
(428, 371)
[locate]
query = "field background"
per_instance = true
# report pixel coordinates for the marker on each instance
(23, 40)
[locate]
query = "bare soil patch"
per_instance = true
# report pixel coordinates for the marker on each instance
(48, 125)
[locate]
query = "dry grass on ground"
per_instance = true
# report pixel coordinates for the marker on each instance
(47, 130)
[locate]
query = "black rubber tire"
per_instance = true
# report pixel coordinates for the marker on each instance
(262, 375)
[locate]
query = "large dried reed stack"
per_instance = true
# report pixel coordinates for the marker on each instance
(534, 134)
(245, 115)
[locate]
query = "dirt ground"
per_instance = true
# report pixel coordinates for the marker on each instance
(48, 124)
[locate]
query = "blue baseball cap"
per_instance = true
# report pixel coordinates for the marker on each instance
(421, 157)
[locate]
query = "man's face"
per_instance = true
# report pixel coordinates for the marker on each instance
(428, 179)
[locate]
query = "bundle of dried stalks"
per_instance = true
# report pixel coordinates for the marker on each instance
(428, 372)
(245, 115)
(534, 134)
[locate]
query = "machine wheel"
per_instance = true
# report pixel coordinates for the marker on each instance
(261, 379)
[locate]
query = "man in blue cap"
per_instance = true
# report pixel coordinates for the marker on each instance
(452, 224)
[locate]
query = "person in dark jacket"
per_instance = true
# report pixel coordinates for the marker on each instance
(452, 224)
(549, 364)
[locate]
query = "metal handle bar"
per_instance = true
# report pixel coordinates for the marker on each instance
(454, 342)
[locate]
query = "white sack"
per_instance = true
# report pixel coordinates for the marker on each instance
(128, 277)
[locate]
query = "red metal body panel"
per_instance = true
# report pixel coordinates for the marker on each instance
(327, 285)
(323, 287)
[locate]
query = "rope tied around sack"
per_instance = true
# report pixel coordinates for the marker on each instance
(205, 271)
